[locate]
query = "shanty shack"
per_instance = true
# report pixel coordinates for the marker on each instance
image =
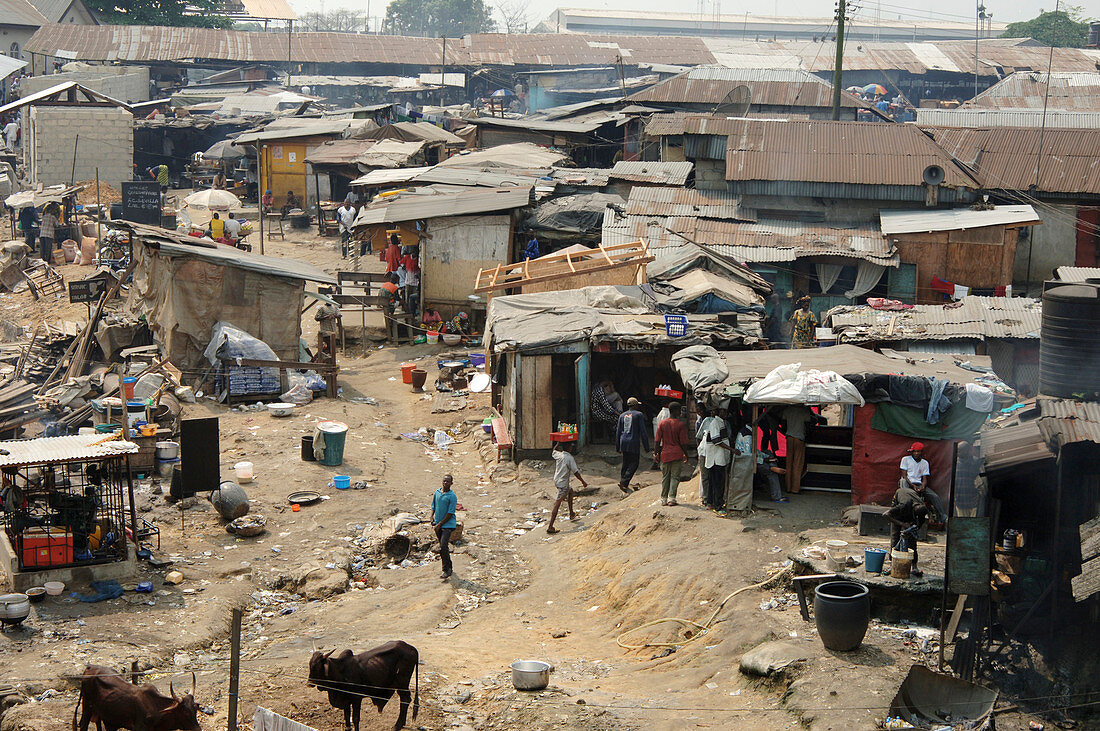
(183, 286)
(861, 446)
(552, 350)
(460, 232)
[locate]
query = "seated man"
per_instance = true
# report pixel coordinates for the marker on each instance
(768, 470)
(292, 203)
(914, 474)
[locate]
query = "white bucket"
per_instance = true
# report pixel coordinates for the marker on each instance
(243, 471)
(836, 554)
(901, 564)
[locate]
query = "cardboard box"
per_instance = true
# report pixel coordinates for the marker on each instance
(46, 547)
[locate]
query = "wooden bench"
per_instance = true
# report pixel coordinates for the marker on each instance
(501, 436)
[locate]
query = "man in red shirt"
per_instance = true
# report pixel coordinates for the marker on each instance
(671, 444)
(393, 254)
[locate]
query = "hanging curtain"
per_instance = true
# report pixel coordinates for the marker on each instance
(827, 274)
(867, 277)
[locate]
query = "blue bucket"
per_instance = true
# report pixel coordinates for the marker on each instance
(343, 482)
(873, 559)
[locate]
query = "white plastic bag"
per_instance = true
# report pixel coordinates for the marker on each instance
(299, 395)
(788, 385)
(443, 439)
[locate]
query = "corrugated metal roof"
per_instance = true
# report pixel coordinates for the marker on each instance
(52, 10)
(662, 173)
(1078, 274)
(544, 125)
(767, 87)
(9, 66)
(655, 201)
(1007, 117)
(996, 56)
(955, 219)
(50, 450)
(1039, 431)
(759, 242)
(415, 131)
(382, 177)
(1066, 422)
(1006, 158)
(154, 43)
(268, 9)
(21, 12)
(428, 202)
(1028, 90)
(974, 318)
(518, 155)
(290, 127)
(172, 244)
(859, 153)
(745, 365)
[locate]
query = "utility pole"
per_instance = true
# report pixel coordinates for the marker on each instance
(443, 74)
(977, 34)
(234, 666)
(838, 67)
(289, 36)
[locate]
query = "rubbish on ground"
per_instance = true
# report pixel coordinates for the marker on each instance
(173, 577)
(247, 526)
(103, 590)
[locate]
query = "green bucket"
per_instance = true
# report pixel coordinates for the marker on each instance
(335, 434)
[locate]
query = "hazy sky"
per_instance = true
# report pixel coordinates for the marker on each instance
(1003, 10)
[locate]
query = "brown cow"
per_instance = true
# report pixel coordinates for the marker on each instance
(113, 703)
(375, 674)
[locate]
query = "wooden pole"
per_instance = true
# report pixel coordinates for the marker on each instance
(234, 667)
(260, 189)
(838, 67)
(98, 217)
(76, 141)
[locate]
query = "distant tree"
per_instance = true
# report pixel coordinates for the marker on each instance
(340, 20)
(434, 18)
(1059, 28)
(192, 13)
(515, 14)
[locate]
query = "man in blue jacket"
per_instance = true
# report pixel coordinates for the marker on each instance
(444, 505)
(631, 438)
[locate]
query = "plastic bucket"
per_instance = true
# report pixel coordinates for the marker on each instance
(836, 554)
(135, 412)
(307, 449)
(433, 337)
(165, 467)
(342, 482)
(901, 563)
(477, 359)
(335, 434)
(128, 387)
(243, 471)
(407, 372)
(873, 559)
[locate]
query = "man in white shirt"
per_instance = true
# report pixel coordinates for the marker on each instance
(11, 133)
(714, 452)
(232, 228)
(345, 217)
(915, 473)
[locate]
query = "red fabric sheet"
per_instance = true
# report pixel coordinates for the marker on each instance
(876, 461)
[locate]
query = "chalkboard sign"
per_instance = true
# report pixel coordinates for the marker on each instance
(141, 202)
(87, 290)
(968, 563)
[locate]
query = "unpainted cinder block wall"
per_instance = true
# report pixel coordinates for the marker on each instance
(101, 136)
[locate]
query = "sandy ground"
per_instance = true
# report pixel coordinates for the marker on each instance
(517, 593)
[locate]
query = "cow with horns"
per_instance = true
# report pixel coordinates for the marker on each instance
(114, 703)
(375, 674)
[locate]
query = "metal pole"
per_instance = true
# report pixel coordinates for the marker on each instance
(76, 142)
(289, 36)
(98, 219)
(443, 75)
(977, 34)
(1039, 155)
(838, 66)
(262, 186)
(234, 666)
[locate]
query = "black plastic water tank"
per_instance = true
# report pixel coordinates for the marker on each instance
(1069, 345)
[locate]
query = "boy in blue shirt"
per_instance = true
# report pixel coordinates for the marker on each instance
(444, 505)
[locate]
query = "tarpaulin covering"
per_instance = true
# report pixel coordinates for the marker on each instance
(958, 422)
(542, 319)
(182, 298)
(700, 366)
(573, 214)
(706, 292)
(876, 460)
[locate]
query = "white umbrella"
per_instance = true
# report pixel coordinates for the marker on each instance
(213, 200)
(224, 150)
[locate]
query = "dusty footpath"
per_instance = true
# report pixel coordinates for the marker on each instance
(314, 581)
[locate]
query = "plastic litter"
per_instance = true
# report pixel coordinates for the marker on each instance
(443, 439)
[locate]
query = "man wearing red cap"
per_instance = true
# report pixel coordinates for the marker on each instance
(914, 476)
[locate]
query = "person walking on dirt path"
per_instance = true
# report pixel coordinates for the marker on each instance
(671, 442)
(444, 505)
(714, 438)
(564, 466)
(631, 437)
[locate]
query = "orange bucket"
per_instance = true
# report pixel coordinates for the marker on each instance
(407, 372)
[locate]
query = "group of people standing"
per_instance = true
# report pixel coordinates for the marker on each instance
(40, 231)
